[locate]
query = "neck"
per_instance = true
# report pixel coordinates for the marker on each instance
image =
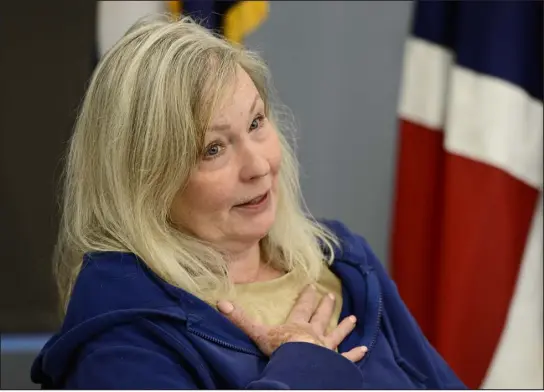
(249, 266)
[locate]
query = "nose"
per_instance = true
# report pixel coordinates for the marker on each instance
(254, 163)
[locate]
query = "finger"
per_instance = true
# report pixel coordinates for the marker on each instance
(343, 329)
(356, 354)
(305, 306)
(323, 314)
(241, 320)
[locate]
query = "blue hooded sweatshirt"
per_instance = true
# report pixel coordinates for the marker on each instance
(127, 329)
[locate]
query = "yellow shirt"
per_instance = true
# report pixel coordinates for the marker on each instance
(270, 302)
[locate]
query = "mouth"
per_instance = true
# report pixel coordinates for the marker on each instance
(255, 202)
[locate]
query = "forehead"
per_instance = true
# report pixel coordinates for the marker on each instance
(238, 97)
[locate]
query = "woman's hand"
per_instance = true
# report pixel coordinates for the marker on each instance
(304, 324)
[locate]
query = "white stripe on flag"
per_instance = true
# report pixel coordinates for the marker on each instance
(488, 120)
(495, 122)
(424, 83)
(114, 18)
(518, 363)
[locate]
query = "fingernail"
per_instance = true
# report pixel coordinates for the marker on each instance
(331, 296)
(225, 307)
(353, 319)
(364, 349)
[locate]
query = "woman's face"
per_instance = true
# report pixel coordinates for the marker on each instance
(231, 196)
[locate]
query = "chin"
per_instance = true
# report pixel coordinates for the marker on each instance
(257, 227)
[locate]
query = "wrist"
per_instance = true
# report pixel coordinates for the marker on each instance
(305, 339)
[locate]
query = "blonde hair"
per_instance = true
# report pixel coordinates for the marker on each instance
(138, 135)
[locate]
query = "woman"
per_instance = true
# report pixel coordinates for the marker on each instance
(185, 259)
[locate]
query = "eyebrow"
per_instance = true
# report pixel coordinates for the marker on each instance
(225, 127)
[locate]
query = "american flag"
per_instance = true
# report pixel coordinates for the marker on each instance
(467, 231)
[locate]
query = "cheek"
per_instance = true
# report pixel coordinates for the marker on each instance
(274, 154)
(202, 200)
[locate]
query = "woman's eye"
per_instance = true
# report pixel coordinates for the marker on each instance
(212, 151)
(256, 123)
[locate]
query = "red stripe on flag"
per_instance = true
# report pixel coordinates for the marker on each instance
(486, 219)
(459, 231)
(417, 219)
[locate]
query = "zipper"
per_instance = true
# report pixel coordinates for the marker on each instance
(373, 284)
(224, 344)
(378, 324)
(376, 331)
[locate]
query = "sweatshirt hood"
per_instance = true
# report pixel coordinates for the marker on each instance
(112, 288)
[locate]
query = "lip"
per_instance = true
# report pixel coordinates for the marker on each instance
(255, 207)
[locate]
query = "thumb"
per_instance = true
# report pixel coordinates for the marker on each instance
(238, 317)
(225, 307)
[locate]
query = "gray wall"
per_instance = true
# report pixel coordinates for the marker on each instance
(15, 370)
(337, 65)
